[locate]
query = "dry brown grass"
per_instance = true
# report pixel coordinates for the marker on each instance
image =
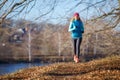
(103, 69)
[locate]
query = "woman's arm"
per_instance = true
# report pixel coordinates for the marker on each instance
(71, 27)
(82, 27)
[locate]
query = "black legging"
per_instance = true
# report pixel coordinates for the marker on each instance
(76, 45)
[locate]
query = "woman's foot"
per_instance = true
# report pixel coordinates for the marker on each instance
(76, 59)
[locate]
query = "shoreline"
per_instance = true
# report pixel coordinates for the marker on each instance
(50, 58)
(102, 69)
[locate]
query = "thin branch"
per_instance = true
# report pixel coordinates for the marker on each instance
(31, 6)
(48, 11)
(90, 5)
(3, 3)
(13, 7)
(26, 5)
(105, 14)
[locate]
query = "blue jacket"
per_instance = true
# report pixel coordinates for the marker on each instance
(76, 28)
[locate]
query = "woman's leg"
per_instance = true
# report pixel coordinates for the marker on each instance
(74, 45)
(78, 43)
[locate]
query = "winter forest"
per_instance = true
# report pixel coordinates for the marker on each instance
(46, 34)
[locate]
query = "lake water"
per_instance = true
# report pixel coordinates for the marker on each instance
(12, 67)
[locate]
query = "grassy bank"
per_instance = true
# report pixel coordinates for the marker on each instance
(102, 69)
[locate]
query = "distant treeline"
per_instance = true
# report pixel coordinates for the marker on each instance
(17, 37)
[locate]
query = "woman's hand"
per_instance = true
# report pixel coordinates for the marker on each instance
(82, 31)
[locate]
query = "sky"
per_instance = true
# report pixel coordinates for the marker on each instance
(63, 10)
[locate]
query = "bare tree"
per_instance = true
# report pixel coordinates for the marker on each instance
(102, 8)
(11, 8)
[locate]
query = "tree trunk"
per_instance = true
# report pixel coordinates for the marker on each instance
(95, 44)
(59, 44)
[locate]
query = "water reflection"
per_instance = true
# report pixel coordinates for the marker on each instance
(12, 67)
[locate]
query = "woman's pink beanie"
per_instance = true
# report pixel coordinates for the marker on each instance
(76, 14)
